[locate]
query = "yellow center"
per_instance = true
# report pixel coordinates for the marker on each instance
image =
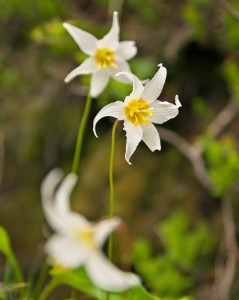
(105, 58)
(137, 111)
(86, 236)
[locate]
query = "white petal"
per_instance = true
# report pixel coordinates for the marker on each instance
(122, 66)
(71, 220)
(115, 109)
(126, 50)
(49, 184)
(66, 252)
(177, 102)
(62, 196)
(134, 135)
(107, 276)
(56, 209)
(99, 81)
(111, 39)
(137, 86)
(163, 111)
(104, 228)
(154, 87)
(86, 41)
(87, 67)
(151, 137)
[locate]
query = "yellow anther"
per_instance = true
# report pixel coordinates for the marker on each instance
(86, 236)
(105, 58)
(137, 111)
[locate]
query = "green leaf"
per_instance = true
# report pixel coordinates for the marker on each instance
(5, 246)
(6, 249)
(79, 280)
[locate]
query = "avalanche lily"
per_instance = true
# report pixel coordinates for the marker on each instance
(140, 110)
(107, 56)
(77, 241)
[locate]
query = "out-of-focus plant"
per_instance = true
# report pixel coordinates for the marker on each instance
(186, 250)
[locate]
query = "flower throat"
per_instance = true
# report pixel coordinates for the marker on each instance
(137, 111)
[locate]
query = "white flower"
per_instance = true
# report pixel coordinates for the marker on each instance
(108, 56)
(77, 241)
(140, 110)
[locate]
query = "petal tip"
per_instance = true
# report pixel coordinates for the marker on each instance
(177, 102)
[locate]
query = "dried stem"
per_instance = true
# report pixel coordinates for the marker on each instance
(225, 273)
(191, 152)
(227, 6)
(228, 113)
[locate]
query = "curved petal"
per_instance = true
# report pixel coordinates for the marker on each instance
(137, 86)
(107, 276)
(163, 111)
(86, 41)
(104, 228)
(115, 110)
(134, 135)
(66, 252)
(56, 208)
(62, 195)
(111, 39)
(122, 66)
(87, 67)
(151, 137)
(126, 50)
(99, 81)
(50, 183)
(154, 87)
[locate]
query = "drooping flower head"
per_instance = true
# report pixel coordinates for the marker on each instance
(107, 56)
(78, 242)
(140, 110)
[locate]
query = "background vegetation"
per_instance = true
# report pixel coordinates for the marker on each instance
(181, 205)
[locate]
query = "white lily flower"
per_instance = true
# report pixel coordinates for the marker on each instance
(107, 56)
(140, 110)
(77, 241)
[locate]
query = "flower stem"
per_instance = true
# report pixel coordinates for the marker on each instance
(40, 281)
(48, 289)
(111, 181)
(81, 133)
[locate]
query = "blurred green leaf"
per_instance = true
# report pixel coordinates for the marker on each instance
(223, 163)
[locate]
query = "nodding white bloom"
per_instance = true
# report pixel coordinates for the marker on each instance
(77, 241)
(140, 110)
(107, 56)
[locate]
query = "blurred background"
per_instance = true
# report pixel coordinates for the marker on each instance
(180, 204)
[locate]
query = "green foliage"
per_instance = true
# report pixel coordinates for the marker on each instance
(231, 28)
(223, 163)
(231, 74)
(167, 274)
(6, 250)
(193, 14)
(79, 280)
(185, 246)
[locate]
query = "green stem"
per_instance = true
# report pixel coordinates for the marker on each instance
(111, 170)
(81, 133)
(48, 289)
(111, 181)
(18, 273)
(40, 282)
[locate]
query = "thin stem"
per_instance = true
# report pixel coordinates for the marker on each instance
(81, 133)
(111, 170)
(48, 289)
(111, 181)
(40, 281)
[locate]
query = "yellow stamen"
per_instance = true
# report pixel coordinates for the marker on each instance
(137, 111)
(105, 58)
(86, 236)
